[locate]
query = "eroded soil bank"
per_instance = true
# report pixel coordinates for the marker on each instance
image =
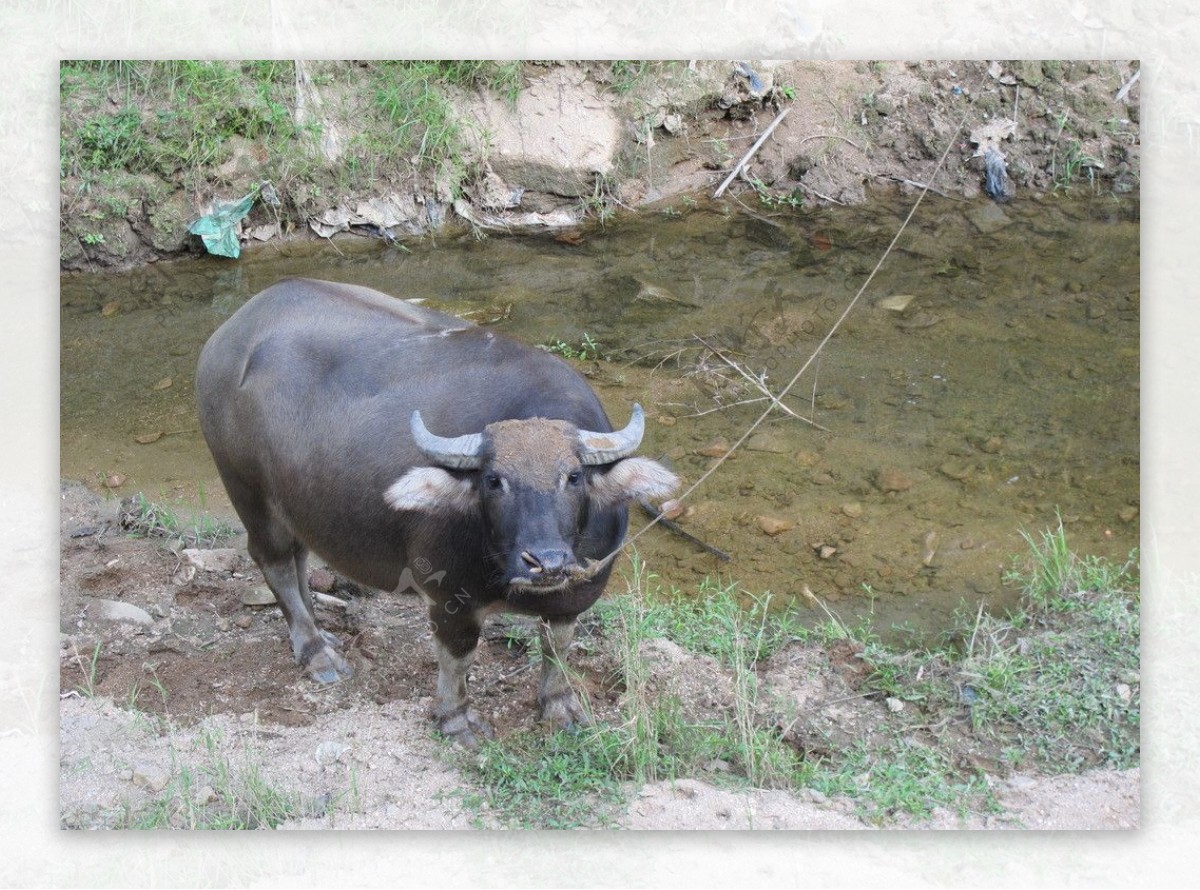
(316, 145)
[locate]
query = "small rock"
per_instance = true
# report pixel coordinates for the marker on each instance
(853, 509)
(259, 596)
(110, 308)
(807, 458)
(956, 470)
(330, 752)
(1077, 373)
(321, 580)
(666, 420)
(988, 218)
(897, 303)
(1128, 514)
(890, 479)
(719, 447)
(672, 509)
(243, 621)
(772, 525)
(152, 778)
(1124, 693)
(165, 383)
(205, 795)
(826, 551)
(147, 438)
(894, 705)
(771, 443)
(222, 559)
(114, 610)
(1095, 311)
(114, 480)
(992, 445)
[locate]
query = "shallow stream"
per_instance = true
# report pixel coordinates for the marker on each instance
(986, 382)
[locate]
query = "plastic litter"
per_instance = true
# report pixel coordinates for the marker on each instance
(219, 229)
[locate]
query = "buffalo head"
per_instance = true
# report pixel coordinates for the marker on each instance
(537, 484)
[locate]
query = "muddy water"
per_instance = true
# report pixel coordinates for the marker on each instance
(985, 383)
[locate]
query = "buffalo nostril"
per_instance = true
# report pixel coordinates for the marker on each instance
(531, 561)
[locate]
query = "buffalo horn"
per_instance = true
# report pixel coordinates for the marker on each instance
(605, 448)
(458, 453)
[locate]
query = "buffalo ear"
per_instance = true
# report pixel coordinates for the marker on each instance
(431, 490)
(632, 479)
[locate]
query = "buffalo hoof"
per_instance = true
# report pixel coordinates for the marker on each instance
(465, 728)
(564, 711)
(327, 666)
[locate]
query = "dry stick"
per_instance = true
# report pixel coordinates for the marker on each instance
(759, 385)
(595, 566)
(748, 155)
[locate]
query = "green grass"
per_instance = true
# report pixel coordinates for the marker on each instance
(152, 519)
(1051, 688)
(214, 792)
(174, 116)
(587, 349)
(412, 95)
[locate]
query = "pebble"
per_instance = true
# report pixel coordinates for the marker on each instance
(243, 621)
(771, 443)
(259, 596)
(853, 509)
(672, 509)
(958, 471)
(115, 610)
(165, 383)
(890, 479)
(826, 551)
(321, 580)
(896, 303)
(773, 526)
(205, 795)
(330, 752)
(152, 778)
(222, 559)
(719, 447)
(894, 705)
(114, 480)
(666, 420)
(1128, 514)
(822, 479)
(992, 445)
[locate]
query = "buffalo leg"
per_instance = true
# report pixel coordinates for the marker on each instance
(556, 698)
(456, 640)
(283, 563)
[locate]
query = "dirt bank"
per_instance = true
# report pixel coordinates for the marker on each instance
(572, 140)
(171, 680)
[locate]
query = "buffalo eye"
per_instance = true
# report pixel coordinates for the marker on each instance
(493, 482)
(575, 477)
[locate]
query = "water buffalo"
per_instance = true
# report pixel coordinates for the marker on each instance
(317, 401)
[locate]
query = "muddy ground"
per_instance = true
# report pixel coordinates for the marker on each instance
(164, 667)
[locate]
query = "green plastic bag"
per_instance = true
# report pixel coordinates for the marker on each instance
(218, 230)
